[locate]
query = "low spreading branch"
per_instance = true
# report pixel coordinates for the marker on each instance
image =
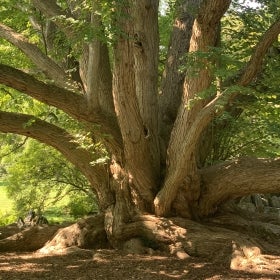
(71, 103)
(238, 178)
(61, 140)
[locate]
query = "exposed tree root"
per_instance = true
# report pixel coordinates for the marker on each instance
(86, 233)
(27, 240)
(238, 246)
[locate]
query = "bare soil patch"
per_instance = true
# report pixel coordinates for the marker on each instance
(111, 264)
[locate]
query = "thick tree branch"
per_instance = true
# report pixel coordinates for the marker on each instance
(134, 134)
(61, 140)
(73, 104)
(173, 77)
(45, 132)
(245, 76)
(68, 101)
(180, 153)
(188, 121)
(146, 42)
(57, 18)
(237, 178)
(43, 62)
(95, 70)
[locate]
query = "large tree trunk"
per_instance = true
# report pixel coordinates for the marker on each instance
(135, 97)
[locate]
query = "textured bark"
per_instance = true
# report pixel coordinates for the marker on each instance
(94, 67)
(187, 119)
(235, 179)
(146, 41)
(178, 237)
(43, 62)
(121, 111)
(97, 74)
(86, 233)
(28, 240)
(73, 104)
(173, 77)
(181, 165)
(139, 162)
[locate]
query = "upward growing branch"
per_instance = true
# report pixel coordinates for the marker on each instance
(135, 135)
(206, 114)
(43, 62)
(146, 41)
(180, 152)
(94, 63)
(173, 77)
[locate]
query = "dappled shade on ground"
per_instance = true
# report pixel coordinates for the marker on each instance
(112, 264)
(211, 251)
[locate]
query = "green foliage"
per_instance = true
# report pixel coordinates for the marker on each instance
(7, 215)
(256, 132)
(81, 205)
(251, 127)
(15, 15)
(38, 177)
(7, 218)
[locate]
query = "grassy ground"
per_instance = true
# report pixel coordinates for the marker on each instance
(5, 203)
(6, 207)
(54, 214)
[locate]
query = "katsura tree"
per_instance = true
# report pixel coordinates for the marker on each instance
(151, 114)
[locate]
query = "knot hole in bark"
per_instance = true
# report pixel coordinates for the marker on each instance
(146, 132)
(138, 41)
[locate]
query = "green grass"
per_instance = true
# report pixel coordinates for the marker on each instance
(7, 215)
(56, 213)
(6, 204)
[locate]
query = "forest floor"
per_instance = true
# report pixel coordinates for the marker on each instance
(111, 264)
(80, 264)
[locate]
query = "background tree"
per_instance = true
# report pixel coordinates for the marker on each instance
(38, 178)
(98, 62)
